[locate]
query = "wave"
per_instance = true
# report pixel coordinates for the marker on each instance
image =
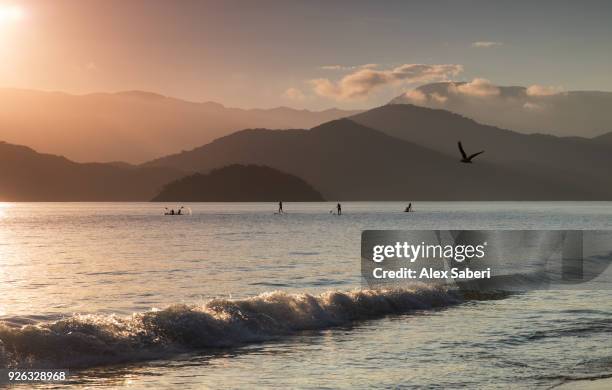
(90, 340)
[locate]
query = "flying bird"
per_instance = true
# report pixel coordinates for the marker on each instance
(464, 157)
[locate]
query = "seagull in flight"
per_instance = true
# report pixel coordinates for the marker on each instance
(464, 157)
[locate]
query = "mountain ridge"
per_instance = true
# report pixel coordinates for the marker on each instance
(439, 130)
(26, 175)
(535, 109)
(239, 183)
(393, 152)
(348, 161)
(131, 126)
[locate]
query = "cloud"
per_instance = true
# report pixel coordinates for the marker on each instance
(351, 67)
(529, 106)
(418, 97)
(436, 97)
(86, 67)
(477, 87)
(486, 44)
(360, 83)
(294, 94)
(332, 67)
(368, 66)
(529, 99)
(543, 90)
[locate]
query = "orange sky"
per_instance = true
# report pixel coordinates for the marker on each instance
(312, 54)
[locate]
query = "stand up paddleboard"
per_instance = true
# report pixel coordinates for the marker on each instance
(184, 211)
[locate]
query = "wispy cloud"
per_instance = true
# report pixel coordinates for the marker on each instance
(294, 94)
(530, 106)
(486, 44)
(477, 87)
(480, 91)
(360, 83)
(416, 96)
(348, 67)
(544, 90)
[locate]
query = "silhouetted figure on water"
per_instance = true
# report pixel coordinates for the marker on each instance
(464, 157)
(280, 207)
(178, 211)
(339, 208)
(409, 208)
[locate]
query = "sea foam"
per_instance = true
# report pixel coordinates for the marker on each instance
(90, 340)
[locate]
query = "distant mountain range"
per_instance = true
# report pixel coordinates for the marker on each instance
(26, 175)
(346, 160)
(137, 126)
(395, 152)
(239, 183)
(571, 159)
(131, 126)
(528, 110)
(605, 139)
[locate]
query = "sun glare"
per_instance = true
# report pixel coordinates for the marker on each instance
(10, 13)
(3, 207)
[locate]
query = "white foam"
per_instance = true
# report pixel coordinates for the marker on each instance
(88, 340)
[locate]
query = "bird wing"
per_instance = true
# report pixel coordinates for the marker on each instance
(475, 154)
(461, 150)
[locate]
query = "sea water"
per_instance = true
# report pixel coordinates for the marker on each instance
(236, 296)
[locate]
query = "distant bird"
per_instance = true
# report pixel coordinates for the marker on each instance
(464, 157)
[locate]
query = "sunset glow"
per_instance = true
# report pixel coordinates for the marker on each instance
(3, 207)
(10, 13)
(305, 194)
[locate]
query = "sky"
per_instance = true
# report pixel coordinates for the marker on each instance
(305, 54)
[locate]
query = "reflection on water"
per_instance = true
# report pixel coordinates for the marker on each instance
(121, 258)
(502, 343)
(58, 259)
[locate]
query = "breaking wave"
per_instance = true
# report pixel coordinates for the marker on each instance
(90, 340)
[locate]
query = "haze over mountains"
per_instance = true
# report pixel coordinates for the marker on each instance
(439, 130)
(132, 126)
(26, 175)
(393, 152)
(345, 160)
(529, 110)
(138, 126)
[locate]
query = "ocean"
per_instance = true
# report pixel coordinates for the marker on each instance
(234, 295)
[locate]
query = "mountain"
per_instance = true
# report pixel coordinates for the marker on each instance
(26, 175)
(394, 152)
(348, 161)
(239, 183)
(605, 139)
(573, 157)
(132, 126)
(528, 110)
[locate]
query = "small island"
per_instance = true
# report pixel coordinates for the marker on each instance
(239, 183)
